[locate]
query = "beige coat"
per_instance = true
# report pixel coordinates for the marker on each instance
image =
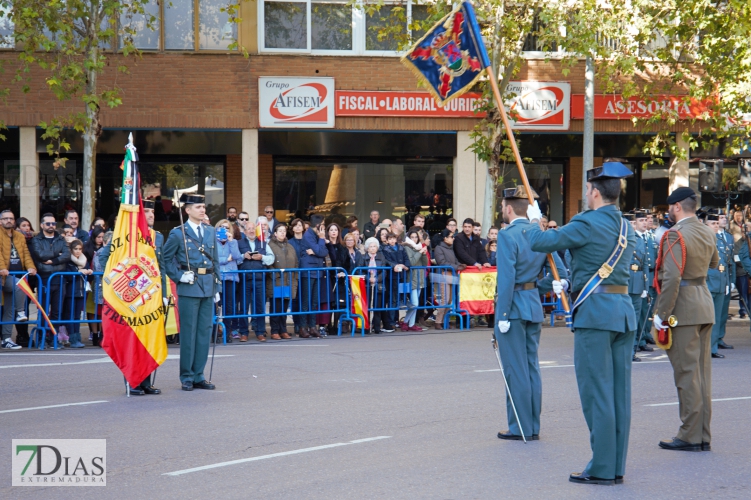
(691, 305)
(19, 241)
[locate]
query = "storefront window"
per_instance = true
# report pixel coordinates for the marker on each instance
(339, 190)
(217, 32)
(547, 180)
(178, 25)
(654, 185)
(11, 186)
(145, 36)
(59, 187)
(381, 21)
(7, 40)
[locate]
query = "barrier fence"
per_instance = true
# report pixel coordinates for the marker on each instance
(310, 296)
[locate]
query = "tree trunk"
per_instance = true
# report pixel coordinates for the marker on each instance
(91, 134)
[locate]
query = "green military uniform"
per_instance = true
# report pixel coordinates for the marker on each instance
(637, 282)
(732, 271)
(604, 327)
(519, 287)
(195, 300)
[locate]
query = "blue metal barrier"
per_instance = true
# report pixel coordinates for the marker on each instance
(389, 291)
(288, 292)
(65, 301)
(550, 299)
(15, 302)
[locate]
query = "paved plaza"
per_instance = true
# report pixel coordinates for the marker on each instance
(389, 416)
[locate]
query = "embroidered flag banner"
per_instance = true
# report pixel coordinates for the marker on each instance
(451, 56)
(133, 312)
(477, 290)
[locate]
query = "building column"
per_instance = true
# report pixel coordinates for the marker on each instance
(250, 172)
(678, 171)
(465, 180)
(29, 175)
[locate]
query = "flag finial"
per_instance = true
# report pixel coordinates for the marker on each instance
(130, 138)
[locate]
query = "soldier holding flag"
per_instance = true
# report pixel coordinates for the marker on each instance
(191, 260)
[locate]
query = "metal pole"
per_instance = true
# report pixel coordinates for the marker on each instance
(508, 390)
(589, 125)
(216, 330)
(182, 226)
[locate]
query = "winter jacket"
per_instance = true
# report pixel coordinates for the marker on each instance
(417, 259)
(19, 241)
(444, 256)
(224, 252)
(54, 249)
(469, 252)
(285, 258)
(310, 240)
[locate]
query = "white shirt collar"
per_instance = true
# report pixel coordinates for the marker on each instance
(194, 226)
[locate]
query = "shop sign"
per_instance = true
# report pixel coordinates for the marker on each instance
(295, 102)
(539, 105)
(616, 107)
(407, 104)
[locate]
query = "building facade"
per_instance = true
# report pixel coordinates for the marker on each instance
(321, 116)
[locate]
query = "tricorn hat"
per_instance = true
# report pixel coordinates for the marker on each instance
(640, 213)
(519, 192)
(148, 204)
(609, 170)
(629, 216)
(192, 199)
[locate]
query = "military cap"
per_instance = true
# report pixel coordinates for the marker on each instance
(715, 210)
(701, 214)
(711, 216)
(518, 192)
(609, 170)
(192, 199)
(148, 204)
(679, 195)
(640, 213)
(628, 216)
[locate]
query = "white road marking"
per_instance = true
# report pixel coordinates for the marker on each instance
(286, 345)
(42, 353)
(273, 455)
(53, 406)
(104, 359)
(720, 399)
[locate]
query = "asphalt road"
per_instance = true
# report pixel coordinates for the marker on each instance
(393, 416)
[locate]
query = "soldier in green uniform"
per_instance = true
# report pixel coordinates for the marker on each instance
(196, 275)
(604, 322)
(520, 315)
(653, 247)
(148, 209)
(730, 245)
(637, 281)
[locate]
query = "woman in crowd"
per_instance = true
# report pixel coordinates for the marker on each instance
(229, 255)
(490, 249)
(75, 287)
(375, 286)
(358, 241)
(445, 256)
(426, 295)
(312, 256)
(417, 282)
(297, 228)
(337, 296)
(97, 222)
(97, 295)
(93, 311)
(397, 277)
(282, 287)
(22, 329)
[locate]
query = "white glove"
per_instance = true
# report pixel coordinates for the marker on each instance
(217, 298)
(732, 287)
(736, 258)
(188, 277)
(165, 300)
(644, 294)
(533, 212)
(658, 322)
(727, 290)
(504, 326)
(559, 287)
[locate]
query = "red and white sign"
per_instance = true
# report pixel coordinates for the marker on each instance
(539, 105)
(616, 107)
(295, 102)
(414, 104)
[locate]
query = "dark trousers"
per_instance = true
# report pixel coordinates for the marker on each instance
(54, 292)
(309, 298)
(379, 300)
(229, 304)
(279, 323)
(72, 309)
(741, 284)
(196, 316)
(251, 297)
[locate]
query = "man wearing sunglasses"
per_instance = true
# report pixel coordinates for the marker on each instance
(242, 219)
(269, 213)
(51, 254)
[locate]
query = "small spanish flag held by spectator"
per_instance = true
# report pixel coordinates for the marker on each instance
(23, 285)
(359, 305)
(477, 289)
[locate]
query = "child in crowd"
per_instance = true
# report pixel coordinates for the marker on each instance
(491, 248)
(69, 234)
(75, 289)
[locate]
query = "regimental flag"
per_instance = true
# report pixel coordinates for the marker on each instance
(173, 320)
(23, 285)
(133, 313)
(359, 305)
(477, 290)
(451, 56)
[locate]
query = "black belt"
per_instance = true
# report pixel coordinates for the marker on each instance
(694, 282)
(525, 286)
(198, 270)
(616, 289)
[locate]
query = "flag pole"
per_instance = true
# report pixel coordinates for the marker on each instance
(520, 167)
